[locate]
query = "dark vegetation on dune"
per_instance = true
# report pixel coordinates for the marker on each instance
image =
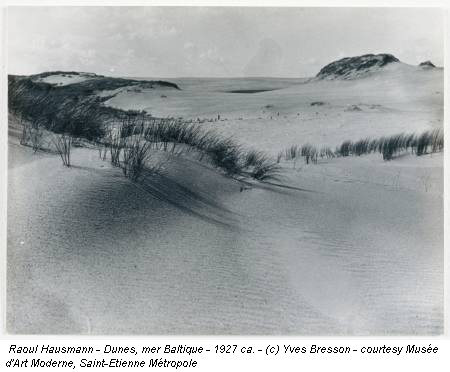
(427, 64)
(346, 66)
(428, 142)
(100, 82)
(132, 139)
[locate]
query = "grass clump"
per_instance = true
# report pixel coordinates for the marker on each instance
(261, 167)
(63, 145)
(136, 153)
(133, 138)
(32, 135)
(326, 152)
(310, 153)
(389, 147)
(428, 142)
(360, 147)
(345, 149)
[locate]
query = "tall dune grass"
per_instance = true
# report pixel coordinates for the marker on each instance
(73, 113)
(309, 153)
(260, 167)
(136, 154)
(360, 147)
(63, 146)
(32, 135)
(345, 148)
(326, 152)
(293, 152)
(430, 141)
(177, 137)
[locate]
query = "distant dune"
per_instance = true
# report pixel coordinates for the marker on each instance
(354, 67)
(363, 66)
(94, 81)
(383, 99)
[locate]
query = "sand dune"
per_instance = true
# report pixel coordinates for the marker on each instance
(399, 98)
(349, 246)
(187, 252)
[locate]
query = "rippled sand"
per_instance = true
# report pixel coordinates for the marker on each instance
(354, 247)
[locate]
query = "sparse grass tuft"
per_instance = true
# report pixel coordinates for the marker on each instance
(136, 153)
(310, 153)
(32, 135)
(326, 152)
(63, 145)
(292, 153)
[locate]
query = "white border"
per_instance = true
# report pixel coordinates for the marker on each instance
(279, 3)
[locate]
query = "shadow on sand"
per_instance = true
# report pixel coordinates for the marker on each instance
(171, 191)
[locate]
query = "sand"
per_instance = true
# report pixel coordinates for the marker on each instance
(350, 246)
(188, 253)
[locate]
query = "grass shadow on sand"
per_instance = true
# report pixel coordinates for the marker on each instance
(168, 190)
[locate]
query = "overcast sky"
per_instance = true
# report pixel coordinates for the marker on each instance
(214, 42)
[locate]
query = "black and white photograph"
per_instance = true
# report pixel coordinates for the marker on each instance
(226, 170)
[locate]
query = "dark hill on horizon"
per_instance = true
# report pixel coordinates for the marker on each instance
(86, 81)
(351, 67)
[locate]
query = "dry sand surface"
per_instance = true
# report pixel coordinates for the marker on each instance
(354, 247)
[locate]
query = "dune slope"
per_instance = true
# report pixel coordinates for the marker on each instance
(339, 252)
